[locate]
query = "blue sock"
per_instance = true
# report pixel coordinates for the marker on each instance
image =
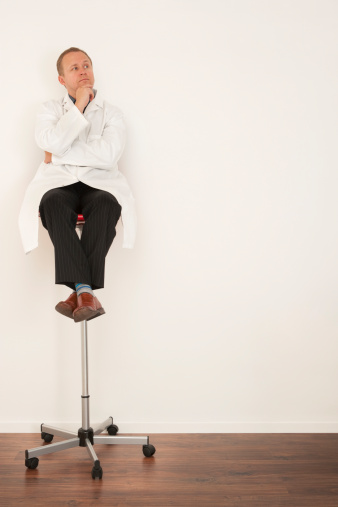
(83, 287)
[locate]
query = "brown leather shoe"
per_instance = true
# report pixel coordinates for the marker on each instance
(67, 307)
(88, 307)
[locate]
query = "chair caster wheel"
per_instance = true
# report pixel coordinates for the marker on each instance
(32, 463)
(148, 450)
(112, 429)
(97, 471)
(47, 437)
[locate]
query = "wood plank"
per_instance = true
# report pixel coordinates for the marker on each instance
(237, 470)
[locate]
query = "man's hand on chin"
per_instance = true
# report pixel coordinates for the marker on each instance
(48, 157)
(84, 94)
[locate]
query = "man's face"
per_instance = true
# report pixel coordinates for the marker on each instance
(77, 72)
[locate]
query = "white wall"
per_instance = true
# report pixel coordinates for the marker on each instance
(224, 316)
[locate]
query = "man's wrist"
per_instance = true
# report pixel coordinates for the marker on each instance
(80, 106)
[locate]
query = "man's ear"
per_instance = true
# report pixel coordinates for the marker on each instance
(61, 80)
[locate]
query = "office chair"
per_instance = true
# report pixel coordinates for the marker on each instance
(87, 436)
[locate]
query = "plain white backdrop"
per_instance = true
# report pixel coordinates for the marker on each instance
(224, 315)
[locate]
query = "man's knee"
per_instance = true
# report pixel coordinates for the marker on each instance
(113, 205)
(50, 197)
(57, 206)
(106, 201)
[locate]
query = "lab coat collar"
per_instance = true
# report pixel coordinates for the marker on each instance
(96, 103)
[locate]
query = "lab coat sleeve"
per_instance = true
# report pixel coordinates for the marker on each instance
(99, 151)
(56, 134)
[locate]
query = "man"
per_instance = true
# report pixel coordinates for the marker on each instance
(83, 138)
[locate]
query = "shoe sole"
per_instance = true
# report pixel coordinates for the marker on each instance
(64, 309)
(100, 311)
(86, 313)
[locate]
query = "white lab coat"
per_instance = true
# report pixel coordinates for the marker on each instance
(85, 147)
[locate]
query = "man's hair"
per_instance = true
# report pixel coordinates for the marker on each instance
(70, 50)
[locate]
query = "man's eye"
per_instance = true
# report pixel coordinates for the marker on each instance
(74, 68)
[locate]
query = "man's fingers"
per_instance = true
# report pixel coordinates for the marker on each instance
(48, 157)
(85, 87)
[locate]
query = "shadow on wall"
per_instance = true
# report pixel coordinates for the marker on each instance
(48, 73)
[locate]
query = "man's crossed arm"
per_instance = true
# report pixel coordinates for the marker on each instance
(58, 137)
(84, 94)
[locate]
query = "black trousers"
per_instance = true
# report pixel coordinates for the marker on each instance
(80, 260)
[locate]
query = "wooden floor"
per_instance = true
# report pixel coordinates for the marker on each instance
(237, 470)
